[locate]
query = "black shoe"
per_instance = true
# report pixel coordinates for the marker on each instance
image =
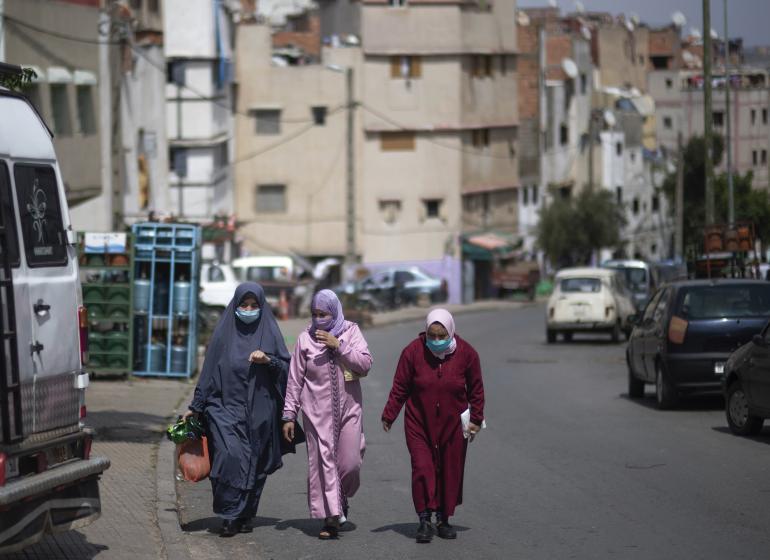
(446, 531)
(245, 526)
(230, 527)
(425, 532)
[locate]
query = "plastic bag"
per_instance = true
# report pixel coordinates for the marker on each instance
(465, 421)
(193, 459)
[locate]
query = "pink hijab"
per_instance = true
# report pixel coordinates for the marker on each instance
(445, 319)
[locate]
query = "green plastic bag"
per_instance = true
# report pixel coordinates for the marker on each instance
(185, 430)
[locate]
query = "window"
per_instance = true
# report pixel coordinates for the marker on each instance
(136, 5)
(271, 199)
(8, 215)
(659, 62)
(480, 137)
(319, 115)
(524, 196)
(432, 207)
(86, 117)
(667, 123)
(619, 148)
(718, 118)
(177, 161)
(268, 121)
(60, 105)
(619, 194)
(390, 210)
(581, 285)
(635, 206)
(754, 158)
(652, 304)
(655, 203)
(632, 155)
(753, 116)
(563, 134)
(669, 83)
(764, 116)
(405, 67)
(534, 194)
(583, 84)
(175, 71)
(718, 302)
(481, 66)
(401, 141)
(397, 3)
(154, 6)
(215, 274)
(764, 157)
(37, 196)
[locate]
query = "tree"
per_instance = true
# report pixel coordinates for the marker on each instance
(17, 81)
(572, 229)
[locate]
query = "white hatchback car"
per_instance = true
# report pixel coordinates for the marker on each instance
(589, 299)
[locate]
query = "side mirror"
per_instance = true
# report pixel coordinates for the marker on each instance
(758, 340)
(633, 319)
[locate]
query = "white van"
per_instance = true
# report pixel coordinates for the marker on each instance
(48, 479)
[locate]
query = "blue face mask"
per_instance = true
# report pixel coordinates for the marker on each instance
(248, 316)
(438, 346)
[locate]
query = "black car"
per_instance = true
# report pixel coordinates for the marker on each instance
(688, 331)
(747, 386)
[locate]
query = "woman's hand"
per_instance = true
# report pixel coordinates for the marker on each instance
(473, 429)
(327, 338)
(259, 357)
(386, 425)
(288, 431)
(189, 413)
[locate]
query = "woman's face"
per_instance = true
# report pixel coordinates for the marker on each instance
(320, 314)
(248, 303)
(437, 331)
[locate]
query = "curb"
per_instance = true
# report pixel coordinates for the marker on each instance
(174, 547)
(419, 313)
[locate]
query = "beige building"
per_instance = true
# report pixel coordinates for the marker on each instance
(435, 136)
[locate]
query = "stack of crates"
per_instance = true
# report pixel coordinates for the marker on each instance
(105, 270)
(165, 283)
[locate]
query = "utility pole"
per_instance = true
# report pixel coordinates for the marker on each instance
(707, 113)
(728, 139)
(350, 245)
(105, 114)
(2, 31)
(591, 136)
(679, 225)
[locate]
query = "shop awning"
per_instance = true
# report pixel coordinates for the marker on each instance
(484, 246)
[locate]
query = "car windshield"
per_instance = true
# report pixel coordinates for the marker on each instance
(724, 301)
(581, 285)
(636, 278)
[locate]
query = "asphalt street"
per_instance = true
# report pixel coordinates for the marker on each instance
(569, 467)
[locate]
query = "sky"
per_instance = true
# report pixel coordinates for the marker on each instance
(749, 19)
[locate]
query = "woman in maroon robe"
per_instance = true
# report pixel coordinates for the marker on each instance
(438, 377)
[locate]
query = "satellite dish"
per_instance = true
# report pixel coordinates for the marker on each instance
(629, 26)
(585, 32)
(714, 34)
(522, 18)
(634, 18)
(553, 3)
(609, 118)
(579, 7)
(695, 33)
(678, 19)
(569, 67)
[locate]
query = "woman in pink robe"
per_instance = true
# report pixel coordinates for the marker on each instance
(328, 359)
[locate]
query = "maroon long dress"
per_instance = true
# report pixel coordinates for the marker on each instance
(436, 392)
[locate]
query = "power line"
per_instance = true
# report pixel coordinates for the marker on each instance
(57, 34)
(404, 128)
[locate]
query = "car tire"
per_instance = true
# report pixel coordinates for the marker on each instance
(635, 386)
(615, 334)
(550, 336)
(739, 420)
(567, 336)
(665, 393)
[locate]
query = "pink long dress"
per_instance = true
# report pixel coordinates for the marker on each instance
(331, 411)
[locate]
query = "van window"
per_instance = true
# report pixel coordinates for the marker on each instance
(216, 274)
(42, 227)
(9, 218)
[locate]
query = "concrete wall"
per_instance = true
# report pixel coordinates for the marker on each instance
(340, 17)
(623, 56)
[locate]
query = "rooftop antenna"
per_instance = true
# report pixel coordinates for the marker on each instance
(579, 7)
(678, 19)
(522, 18)
(585, 32)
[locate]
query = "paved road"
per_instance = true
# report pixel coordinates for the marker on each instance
(569, 468)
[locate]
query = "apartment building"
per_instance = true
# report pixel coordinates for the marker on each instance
(37, 34)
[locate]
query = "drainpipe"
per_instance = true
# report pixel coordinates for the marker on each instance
(2, 31)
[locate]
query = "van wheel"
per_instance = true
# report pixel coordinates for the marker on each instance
(550, 336)
(635, 386)
(615, 334)
(739, 420)
(665, 393)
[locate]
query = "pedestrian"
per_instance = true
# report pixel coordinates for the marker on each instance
(240, 396)
(438, 377)
(329, 358)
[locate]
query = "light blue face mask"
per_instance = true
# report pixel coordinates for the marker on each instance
(438, 346)
(248, 316)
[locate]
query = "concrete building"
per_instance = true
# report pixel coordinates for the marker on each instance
(199, 125)
(67, 90)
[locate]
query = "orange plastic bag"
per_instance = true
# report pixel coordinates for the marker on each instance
(193, 459)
